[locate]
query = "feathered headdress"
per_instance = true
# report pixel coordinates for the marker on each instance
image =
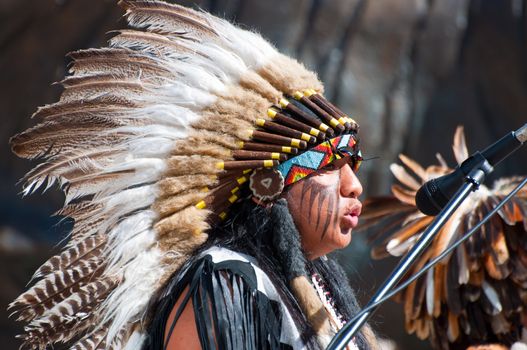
(151, 142)
(478, 293)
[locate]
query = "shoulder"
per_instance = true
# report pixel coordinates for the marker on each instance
(243, 265)
(226, 292)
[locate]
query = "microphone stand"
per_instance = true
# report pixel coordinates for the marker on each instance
(472, 181)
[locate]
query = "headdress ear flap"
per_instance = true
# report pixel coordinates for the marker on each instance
(266, 184)
(286, 240)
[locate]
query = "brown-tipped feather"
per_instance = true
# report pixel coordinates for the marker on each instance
(85, 249)
(54, 288)
(439, 292)
(72, 316)
(92, 341)
(95, 105)
(414, 166)
(409, 230)
(71, 165)
(414, 294)
(404, 195)
(460, 146)
(150, 41)
(51, 145)
(402, 175)
(167, 18)
(99, 86)
(118, 62)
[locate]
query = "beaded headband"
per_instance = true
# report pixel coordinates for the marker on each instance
(316, 158)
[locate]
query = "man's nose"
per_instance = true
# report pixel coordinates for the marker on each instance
(350, 185)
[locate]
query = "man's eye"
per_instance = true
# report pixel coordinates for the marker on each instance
(336, 164)
(331, 166)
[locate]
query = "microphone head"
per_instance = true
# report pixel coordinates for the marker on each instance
(424, 198)
(432, 197)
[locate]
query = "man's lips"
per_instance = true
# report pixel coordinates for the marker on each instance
(350, 219)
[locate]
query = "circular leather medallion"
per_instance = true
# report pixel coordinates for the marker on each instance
(266, 184)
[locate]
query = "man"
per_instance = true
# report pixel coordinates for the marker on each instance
(208, 177)
(265, 240)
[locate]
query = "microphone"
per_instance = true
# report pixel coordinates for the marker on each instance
(435, 194)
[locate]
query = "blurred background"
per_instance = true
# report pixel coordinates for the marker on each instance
(409, 71)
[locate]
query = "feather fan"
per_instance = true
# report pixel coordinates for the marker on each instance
(476, 295)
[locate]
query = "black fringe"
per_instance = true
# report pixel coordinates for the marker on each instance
(230, 312)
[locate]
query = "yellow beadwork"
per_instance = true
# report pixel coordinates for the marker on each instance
(308, 92)
(295, 142)
(334, 122)
(305, 137)
(298, 95)
(314, 132)
(271, 113)
(241, 180)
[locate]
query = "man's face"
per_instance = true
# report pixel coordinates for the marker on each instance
(325, 209)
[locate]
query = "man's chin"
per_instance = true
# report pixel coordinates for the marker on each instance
(345, 238)
(346, 231)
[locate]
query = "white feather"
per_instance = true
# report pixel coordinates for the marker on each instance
(135, 341)
(464, 273)
(249, 46)
(166, 114)
(153, 130)
(131, 236)
(150, 146)
(492, 296)
(127, 303)
(130, 200)
(398, 248)
(145, 170)
(430, 291)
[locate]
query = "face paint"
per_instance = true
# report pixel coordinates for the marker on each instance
(325, 213)
(325, 209)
